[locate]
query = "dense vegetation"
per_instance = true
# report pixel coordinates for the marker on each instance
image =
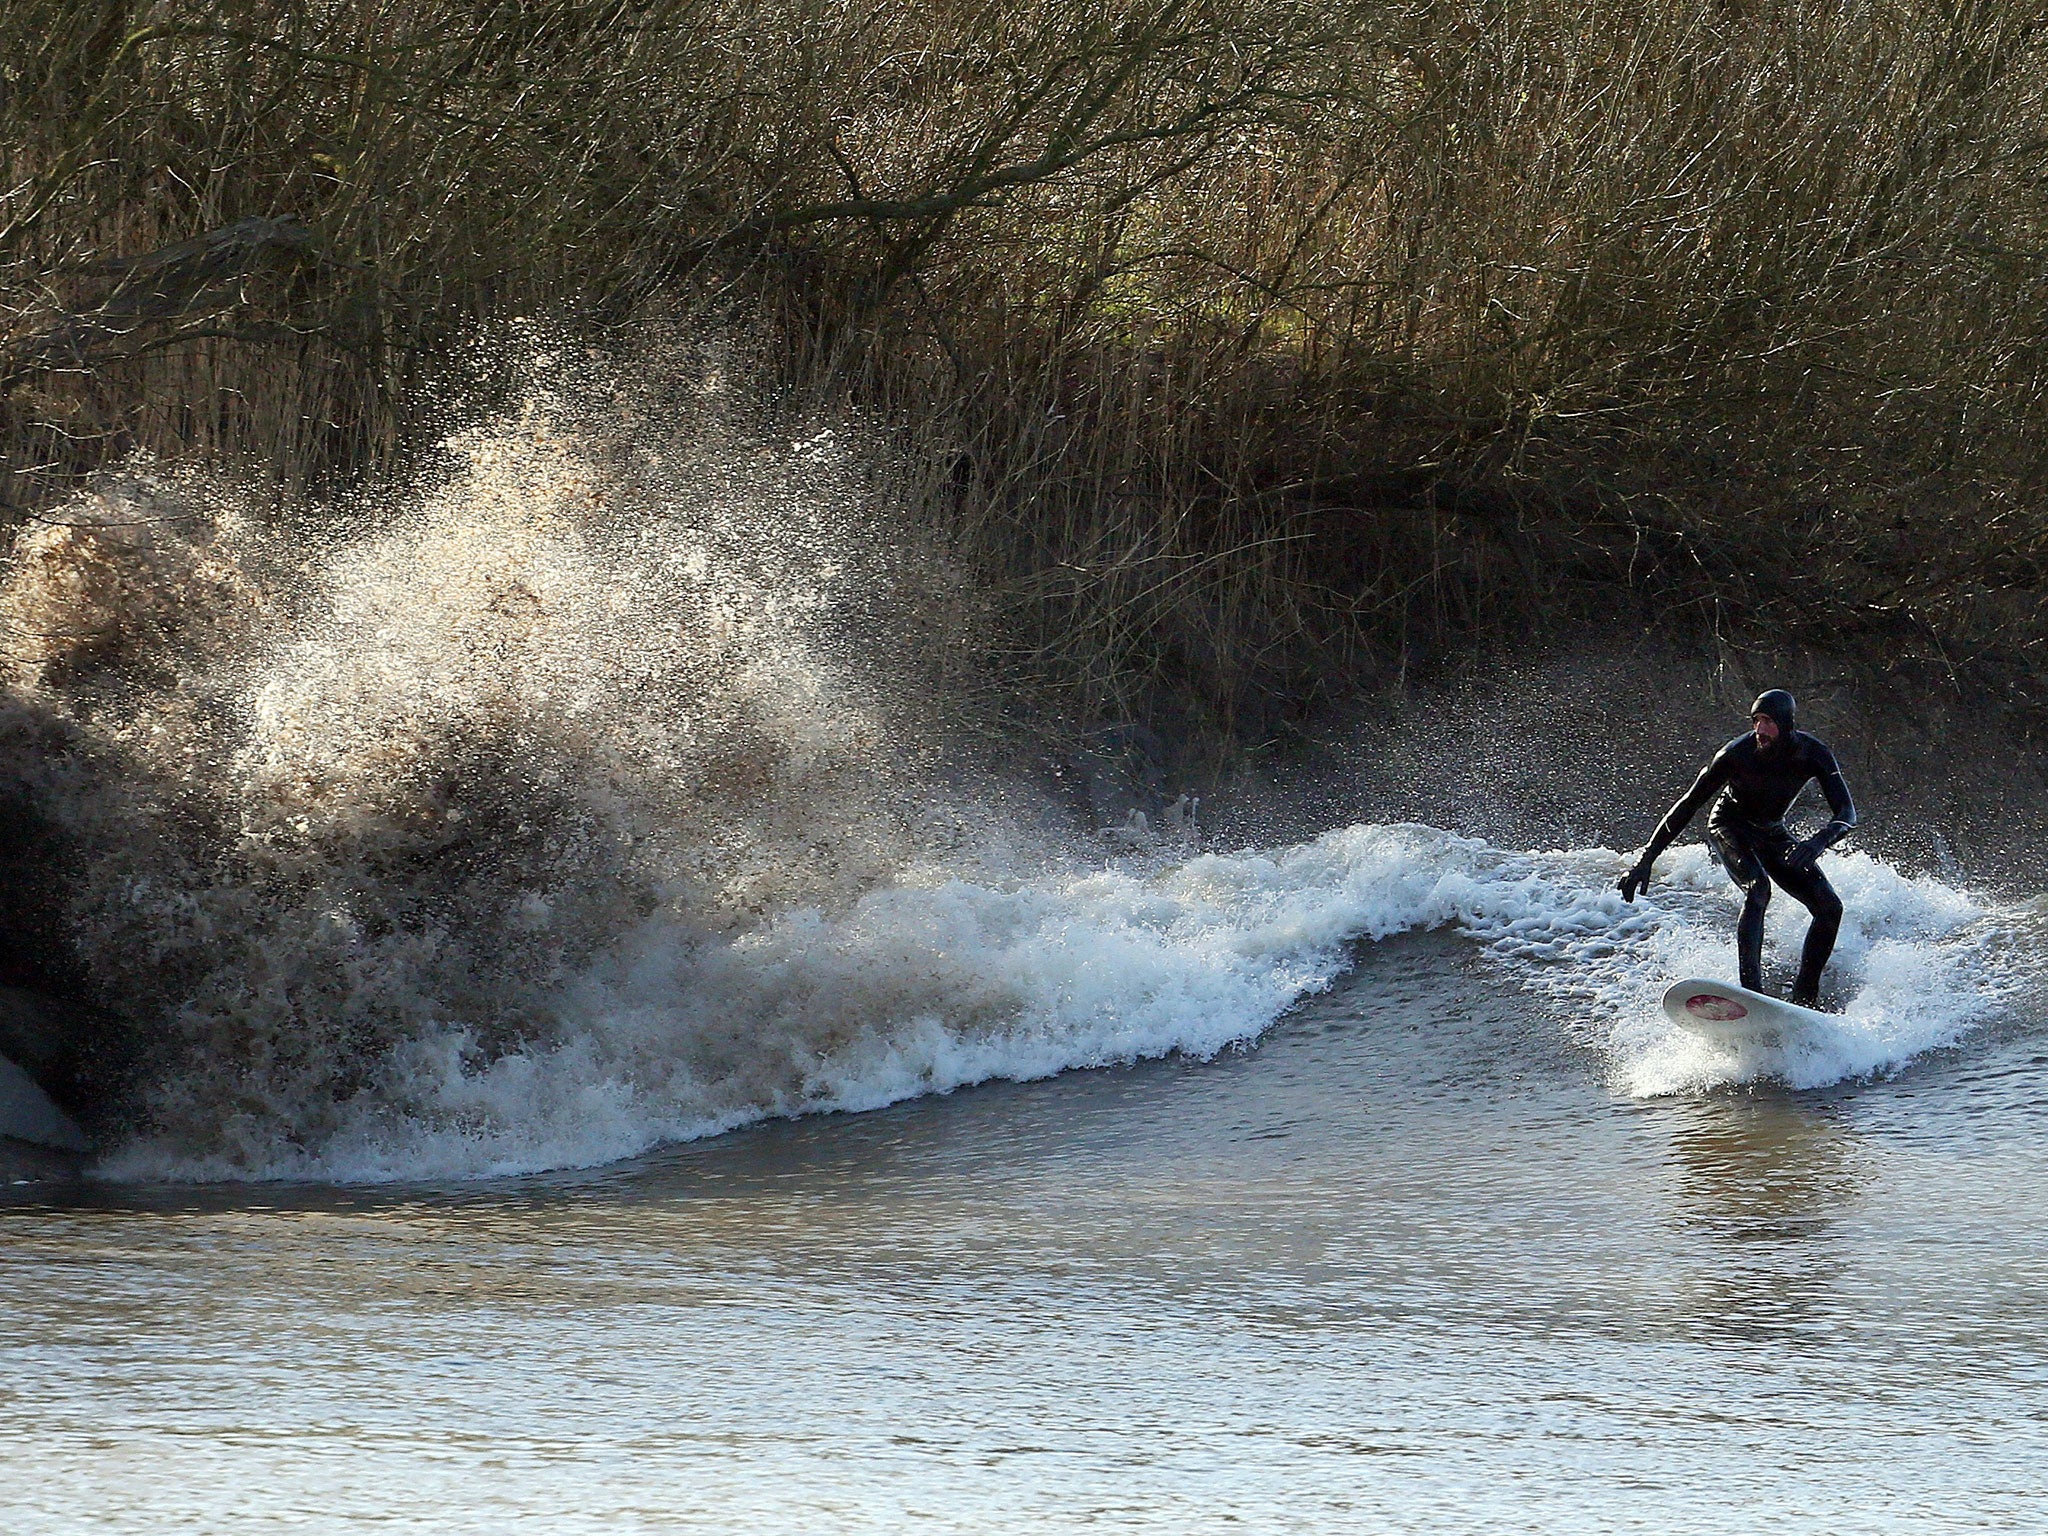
(1249, 343)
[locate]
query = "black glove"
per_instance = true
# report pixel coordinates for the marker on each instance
(1635, 880)
(1804, 855)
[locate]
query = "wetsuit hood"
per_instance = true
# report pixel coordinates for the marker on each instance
(1779, 705)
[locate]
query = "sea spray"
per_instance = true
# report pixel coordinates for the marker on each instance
(342, 782)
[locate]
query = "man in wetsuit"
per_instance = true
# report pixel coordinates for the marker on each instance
(1758, 776)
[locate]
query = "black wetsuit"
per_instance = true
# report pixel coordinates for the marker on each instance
(1757, 786)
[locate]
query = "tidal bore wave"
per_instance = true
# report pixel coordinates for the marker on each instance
(929, 983)
(608, 795)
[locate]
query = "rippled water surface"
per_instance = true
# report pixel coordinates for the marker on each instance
(1412, 1264)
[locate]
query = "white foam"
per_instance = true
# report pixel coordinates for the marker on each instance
(916, 988)
(1918, 963)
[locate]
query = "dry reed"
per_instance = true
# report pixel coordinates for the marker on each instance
(1243, 348)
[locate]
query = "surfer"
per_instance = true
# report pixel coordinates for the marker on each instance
(1758, 775)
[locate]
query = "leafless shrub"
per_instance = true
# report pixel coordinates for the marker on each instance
(1244, 346)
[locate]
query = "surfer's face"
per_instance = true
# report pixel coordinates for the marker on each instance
(1766, 729)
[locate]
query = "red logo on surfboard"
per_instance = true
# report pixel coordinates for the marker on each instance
(1717, 1010)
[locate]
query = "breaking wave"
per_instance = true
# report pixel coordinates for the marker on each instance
(924, 986)
(598, 797)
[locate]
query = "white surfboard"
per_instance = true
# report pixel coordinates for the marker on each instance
(1732, 1015)
(27, 1113)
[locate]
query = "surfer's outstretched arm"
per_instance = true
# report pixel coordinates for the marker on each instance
(1710, 780)
(1841, 809)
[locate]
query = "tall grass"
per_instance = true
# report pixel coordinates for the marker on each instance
(1246, 348)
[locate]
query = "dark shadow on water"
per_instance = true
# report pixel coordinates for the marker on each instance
(1764, 1176)
(1767, 1166)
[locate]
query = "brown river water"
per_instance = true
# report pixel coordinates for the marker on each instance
(1412, 1263)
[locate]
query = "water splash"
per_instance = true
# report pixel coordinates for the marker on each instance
(612, 790)
(349, 783)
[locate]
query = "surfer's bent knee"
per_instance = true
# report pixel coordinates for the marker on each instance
(1742, 865)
